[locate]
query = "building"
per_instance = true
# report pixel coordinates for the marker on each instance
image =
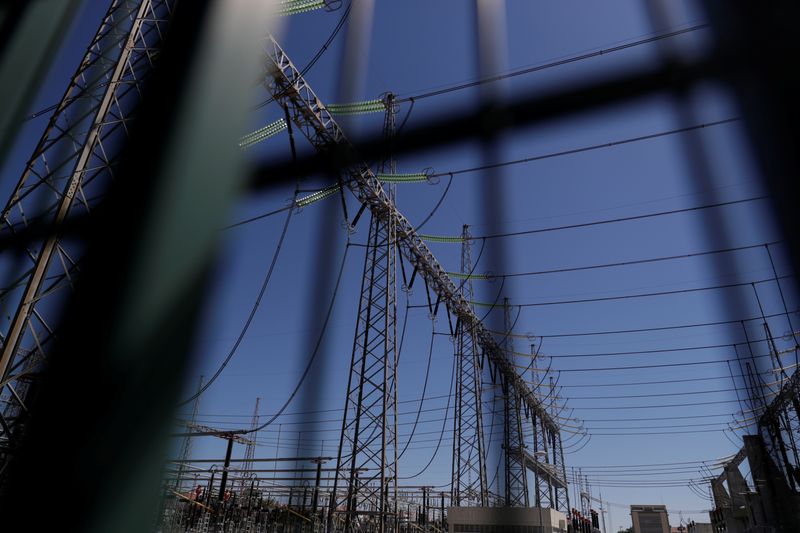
(698, 527)
(650, 519)
(504, 519)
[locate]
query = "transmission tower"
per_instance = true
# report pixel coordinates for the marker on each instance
(469, 485)
(516, 475)
(367, 460)
(288, 87)
(368, 442)
(68, 174)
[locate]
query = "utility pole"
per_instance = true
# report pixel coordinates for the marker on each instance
(223, 483)
(319, 462)
(469, 482)
(68, 172)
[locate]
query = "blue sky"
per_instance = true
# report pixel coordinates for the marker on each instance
(416, 46)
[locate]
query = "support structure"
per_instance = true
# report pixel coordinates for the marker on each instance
(469, 480)
(515, 456)
(367, 460)
(68, 173)
(558, 468)
(543, 496)
(287, 86)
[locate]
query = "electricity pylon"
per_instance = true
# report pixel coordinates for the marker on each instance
(367, 459)
(68, 174)
(469, 485)
(308, 112)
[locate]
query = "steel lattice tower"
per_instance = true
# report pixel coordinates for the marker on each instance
(516, 475)
(367, 459)
(68, 174)
(469, 485)
(288, 87)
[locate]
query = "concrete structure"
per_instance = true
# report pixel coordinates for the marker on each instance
(767, 504)
(700, 527)
(503, 519)
(649, 519)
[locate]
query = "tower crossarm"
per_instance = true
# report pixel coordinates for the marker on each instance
(309, 114)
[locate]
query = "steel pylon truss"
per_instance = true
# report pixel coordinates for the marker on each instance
(558, 478)
(367, 461)
(469, 484)
(307, 111)
(543, 497)
(68, 173)
(515, 472)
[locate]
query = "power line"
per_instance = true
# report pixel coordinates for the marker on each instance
(589, 148)
(251, 315)
(647, 329)
(620, 219)
(628, 263)
(659, 406)
(647, 295)
(551, 64)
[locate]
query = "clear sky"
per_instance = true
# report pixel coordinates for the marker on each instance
(419, 45)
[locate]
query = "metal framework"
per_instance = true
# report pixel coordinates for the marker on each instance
(516, 458)
(543, 488)
(557, 468)
(469, 482)
(367, 461)
(307, 111)
(67, 174)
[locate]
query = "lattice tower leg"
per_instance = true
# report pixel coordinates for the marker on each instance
(542, 448)
(516, 475)
(68, 173)
(561, 493)
(365, 487)
(469, 482)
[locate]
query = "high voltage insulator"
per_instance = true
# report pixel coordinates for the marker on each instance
(262, 134)
(459, 275)
(402, 178)
(317, 196)
(442, 238)
(455, 239)
(358, 108)
(294, 7)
